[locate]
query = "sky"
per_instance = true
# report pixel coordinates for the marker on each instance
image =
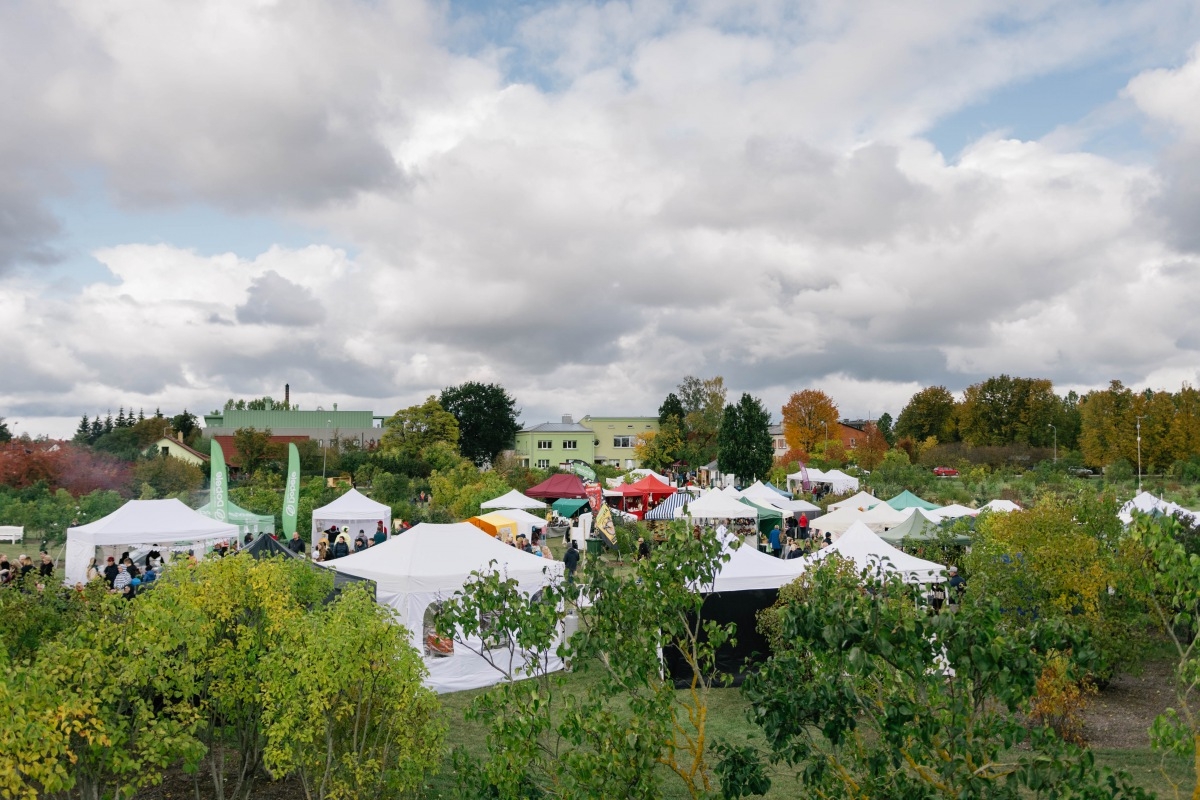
(587, 201)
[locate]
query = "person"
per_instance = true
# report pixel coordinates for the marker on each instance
(798, 549)
(571, 560)
(722, 531)
(360, 541)
(296, 544)
(340, 548)
(4, 562)
(803, 525)
(323, 549)
(643, 548)
(151, 576)
(937, 597)
(93, 571)
(828, 538)
(249, 537)
(123, 578)
(46, 568)
(154, 558)
(957, 585)
(26, 567)
(131, 568)
(774, 543)
(110, 571)
(380, 533)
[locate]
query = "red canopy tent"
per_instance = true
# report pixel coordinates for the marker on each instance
(628, 492)
(558, 487)
(652, 486)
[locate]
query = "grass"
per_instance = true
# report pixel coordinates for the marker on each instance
(1168, 776)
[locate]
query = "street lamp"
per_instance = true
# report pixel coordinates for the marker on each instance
(325, 450)
(1051, 424)
(826, 426)
(1139, 434)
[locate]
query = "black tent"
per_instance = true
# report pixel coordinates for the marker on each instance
(733, 661)
(266, 546)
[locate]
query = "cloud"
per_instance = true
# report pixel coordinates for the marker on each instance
(274, 300)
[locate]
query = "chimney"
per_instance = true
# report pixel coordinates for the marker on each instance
(287, 396)
(567, 419)
(179, 436)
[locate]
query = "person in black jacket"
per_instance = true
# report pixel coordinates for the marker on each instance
(571, 560)
(340, 548)
(296, 544)
(110, 571)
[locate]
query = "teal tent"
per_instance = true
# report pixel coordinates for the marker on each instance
(247, 521)
(918, 528)
(567, 508)
(907, 499)
(767, 517)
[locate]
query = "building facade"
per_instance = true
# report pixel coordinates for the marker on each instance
(616, 437)
(593, 440)
(319, 425)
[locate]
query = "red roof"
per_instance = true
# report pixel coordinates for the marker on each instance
(557, 487)
(653, 486)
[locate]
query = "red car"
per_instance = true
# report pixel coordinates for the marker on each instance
(945, 472)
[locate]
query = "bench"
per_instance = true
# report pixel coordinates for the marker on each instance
(11, 533)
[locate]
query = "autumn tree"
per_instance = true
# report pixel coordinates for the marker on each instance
(487, 419)
(410, 430)
(659, 449)
(253, 447)
(746, 447)
(872, 448)
(929, 412)
(1007, 410)
(1108, 425)
(168, 475)
(5, 433)
(803, 415)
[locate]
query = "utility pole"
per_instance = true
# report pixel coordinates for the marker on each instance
(325, 450)
(1055, 442)
(1139, 437)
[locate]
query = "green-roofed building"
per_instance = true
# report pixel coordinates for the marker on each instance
(907, 499)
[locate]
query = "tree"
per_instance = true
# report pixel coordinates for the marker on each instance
(930, 412)
(253, 447)
(374, 730)
(659, 449)
(872, 448)
(82, 433)
(409, 431)
(169, 475)
(803, 415)
(873, 697)
(672, 406)
(5, 433)
(884, 423)
(703, 404)
(745, 441)
(1006, 410)
(266, 403)
(487, 419)
(186, 424)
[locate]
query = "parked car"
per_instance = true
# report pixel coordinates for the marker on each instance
(1082, 472)
(945, 472)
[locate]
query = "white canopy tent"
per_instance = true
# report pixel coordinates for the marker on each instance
(953, 511)
(839, 482)
(166, 523)
(862, 500)
(526, 522)
(868, 551)
(762, 494)
(427, 565)
(882, 516)
(513, 499)
(836, 522)
(1001, 505)
(1149, 504)
(352, 509)
(748, 568)
(795, 480)
(717, 505)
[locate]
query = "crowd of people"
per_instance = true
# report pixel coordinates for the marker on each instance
(24, 574)
(337, 543)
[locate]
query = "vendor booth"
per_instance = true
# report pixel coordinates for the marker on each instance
(907, 499)
(919, 527)
(869, 552)
(165, 524)
(415, 572)
(558, 486)
(861, 501)
(526, 522)
(246, 521)
(497, 525)
(717, 505)
(513, 499)
(353, 510)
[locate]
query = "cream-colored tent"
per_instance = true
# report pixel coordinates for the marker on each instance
(862, 500)
(836, 522)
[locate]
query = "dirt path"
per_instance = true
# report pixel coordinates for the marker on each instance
(1120, 715)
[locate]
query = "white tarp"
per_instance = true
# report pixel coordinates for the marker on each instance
(352, 509)
(429, 563)
(526, 522)
(718, 505)
(1149, 504)
(868, 551)
(161, 522)
(862, 500)
(953, 511)
(882, 516)
(1001, 505)
(513, 499)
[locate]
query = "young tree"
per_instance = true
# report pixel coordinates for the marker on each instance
(168, 475)
(82, 433)
(885, 425)
(253, 447)
(745, 440)
(409, 431)
(929, 412)
(703, 404)
(872, 697)
(659, 449)
(187, 424)
(809, 416)
(487, 419)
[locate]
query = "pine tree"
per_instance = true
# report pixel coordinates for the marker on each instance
(158, 413)
(121, 417)
(84, 430)
(108, 423)
(141, 415)
(97, 430)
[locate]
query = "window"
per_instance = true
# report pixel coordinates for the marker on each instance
(623, 441)
(545, 444)
(543, 463)
(852, 441)
(569, 444)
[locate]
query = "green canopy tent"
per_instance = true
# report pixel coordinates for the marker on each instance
(907, 499)
(918, 528)
(767, 517)
(568, 508)
(247, 521)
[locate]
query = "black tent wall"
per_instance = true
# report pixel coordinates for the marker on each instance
(735, 661)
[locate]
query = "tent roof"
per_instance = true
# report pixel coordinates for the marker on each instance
(764, 511)
(666, 509)
(152, 522)
(840, 481)
(953, 511)
(1149, 504)
(653, 486)
(716, 505)
(513, 499)
(837, 521)
(883, 514)
(773, 487)
(433, 558)
(863, 500)
(558, 486)
(918, 527)
(1001, 505)
(568, 506)
(523, 517)
(907, 499)
(747, 568)
(867, 550)
(760, 491)
(353, 505)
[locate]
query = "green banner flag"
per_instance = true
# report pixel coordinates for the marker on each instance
(291, 491)
(218, 483)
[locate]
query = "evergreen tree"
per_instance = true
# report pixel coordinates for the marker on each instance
(97, 430)
(141, 415)
(745, 440)
(158, 413)
(121, 417)
(84, 431)
(108, 423)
